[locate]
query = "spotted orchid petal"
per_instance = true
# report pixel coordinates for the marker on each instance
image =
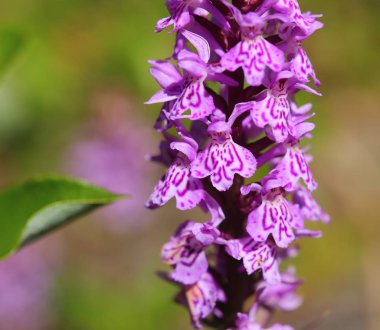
(274, 109)
(194, 98)
(281, 295)
(209, 204)
(292, 168)
(185, 251)
(187, 92)
(177, 182)
(309, 207)
(181, 11)
(200, 43)
(272, 217)
(165, 73)
(302, 68)
(299, 127)
(193, 64)
(202, 298)
(205, 233)
(223, 159)
(253, 56)
(300, 110)
(305, 22)
(188, 257)
(256, 255)
(180, 15)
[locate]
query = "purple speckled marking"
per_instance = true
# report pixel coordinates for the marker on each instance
(293, 167)
(177, 183)
(273, 111)
(222, 160)
(272, 217)
(253, 56)
(186, 254)
(258, 255)
(195, 98)
(202, 298)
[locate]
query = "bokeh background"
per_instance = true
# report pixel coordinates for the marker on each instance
(72, 102)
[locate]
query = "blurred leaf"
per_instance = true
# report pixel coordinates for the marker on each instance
(11, 42)
(39, 206)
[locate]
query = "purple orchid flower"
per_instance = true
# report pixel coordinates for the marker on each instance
(185, 251)
(183, 93)
(256, 255)
(181, 12)
(306, 23)
(309, 208)
(253, 53)
(293, 167)
(273, 216)
(202, 298)
(223, 158)
(280, 295)
(273, 107)
(177, 181)
(188, 92)
(301, 66)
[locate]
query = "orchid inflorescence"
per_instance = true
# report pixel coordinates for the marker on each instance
(232, 132)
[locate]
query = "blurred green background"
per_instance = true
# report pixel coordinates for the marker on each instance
(75, 52)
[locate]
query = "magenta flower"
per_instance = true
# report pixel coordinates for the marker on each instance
(256, 255)
(229, 91)
(185, 251)
(273, 109)
(181, 12)
(187, 92)
(293, 167)
(177, 181)
(305, 22)
(273, 216)
(253, 53)
(280, 295)
(202, 298)
(301, 66)
(223, 158)
(309, 208)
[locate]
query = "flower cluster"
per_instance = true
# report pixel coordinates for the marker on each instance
(229, 108)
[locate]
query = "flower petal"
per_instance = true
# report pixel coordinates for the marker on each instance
(272, 217)
(196, 99)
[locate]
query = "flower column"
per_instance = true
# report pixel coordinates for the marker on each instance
(228, 94)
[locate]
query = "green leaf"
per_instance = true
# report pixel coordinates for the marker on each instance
(11, 42)
(41, 205)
